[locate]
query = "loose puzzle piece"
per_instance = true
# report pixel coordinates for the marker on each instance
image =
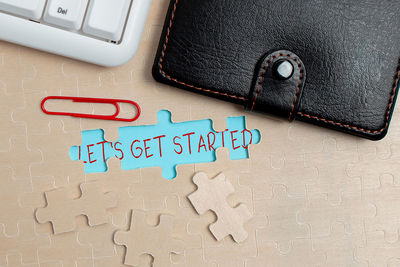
(61, 210)
(144, 239)
(212, 195)
(181, 217)
(218, 252)
(165, 144)
(231, 169)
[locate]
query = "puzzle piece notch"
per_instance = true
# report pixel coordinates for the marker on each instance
(11, 209)
(26, 242)
(65, 251)
(165, 144)
(354, 212)
(280, 211)
(376, 243)
(340, 246)
(212, 195)
(15, 260)
(61, 210)
(144, 239)
(333, 179)
(386, 200)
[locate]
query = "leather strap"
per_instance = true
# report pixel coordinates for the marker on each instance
(276, 96)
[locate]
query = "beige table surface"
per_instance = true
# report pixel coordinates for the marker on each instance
(319, 198)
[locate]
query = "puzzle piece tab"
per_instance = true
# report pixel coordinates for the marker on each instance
(61, 210)
(165, 144)
(26, 242)
(144, 239)
(11, 210)
(212, 195)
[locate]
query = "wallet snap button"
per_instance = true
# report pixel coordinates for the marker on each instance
(279, 84)
(283, 69)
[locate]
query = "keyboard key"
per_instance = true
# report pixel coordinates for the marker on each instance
(106, 18)
(66, 13)
(32, 9)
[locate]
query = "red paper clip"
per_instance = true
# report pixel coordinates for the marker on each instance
(92, 100)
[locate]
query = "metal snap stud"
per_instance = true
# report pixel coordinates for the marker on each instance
(283, 69)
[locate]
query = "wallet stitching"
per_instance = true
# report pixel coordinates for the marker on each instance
(261, 80)
(165, 75)
(297, 95)
(389, 109)
(262, 76)
(388, 112)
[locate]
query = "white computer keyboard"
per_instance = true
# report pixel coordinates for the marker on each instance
(103, 32)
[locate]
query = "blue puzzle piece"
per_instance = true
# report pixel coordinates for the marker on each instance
(165, 144)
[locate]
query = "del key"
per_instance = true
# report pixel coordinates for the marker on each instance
(66, 13)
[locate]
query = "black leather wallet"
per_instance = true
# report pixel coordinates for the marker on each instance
(330, 63)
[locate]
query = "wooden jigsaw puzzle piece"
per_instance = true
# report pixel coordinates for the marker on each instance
(386, 200)
(221, 230)
(61, 210)
(20, 157)
(120, 182)
(12, 69)
(302, 254)
(94, 203)
(212, 195)
(99, 239)
(8, 127)
(376, 251)
(26, 242)
(11, 210)
(48, 76)
(340, 247)
(201, 199)
(371, 176)
(354, 212)
(144, 239)
(181, 186)
(332, 180)
(214, 112)
(181, 216)
(15, 260)
(66, 249)
(281, 211)
(56, 162)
